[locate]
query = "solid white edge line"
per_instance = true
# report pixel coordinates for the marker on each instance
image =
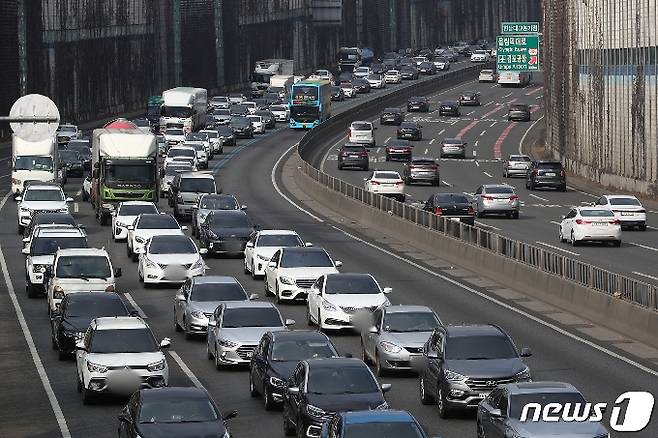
(527, 131)
(133, 303)
(483, 225)
(639, 245)
(506, 306)
(278, 190)
(36, 359)
(488, 174)
(538, 197)
(188, 372)
(557, 248)
(645, 275)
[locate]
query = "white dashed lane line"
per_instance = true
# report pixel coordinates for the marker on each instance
(557, 248)
(538, 197)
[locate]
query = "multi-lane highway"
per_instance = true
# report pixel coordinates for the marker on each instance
(593, 364)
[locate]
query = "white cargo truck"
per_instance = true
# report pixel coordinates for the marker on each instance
(185, 108)
(514, 78)
(281, 84)
(265, 69)
(34, 161)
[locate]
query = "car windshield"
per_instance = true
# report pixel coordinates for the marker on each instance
(341, 380)
(277, 108)
(158, 222)
(405, 322)
(486, 72)
(351, 284)
(136, 210)
(625, 201)
(500, 190)
(300, 349)
(251, 317)
(597, 213)
(354, 149)
(380, 429)
(81, 149)
(176, 111)
(386, 175)
(50, 245)
(408, 125)
(279, 240)
(392, 111)
(479, 348)
(52, 218)
(423, 163)
(240, 122)
(204, 292)
(140, 173)
(187, 152)
(519, 108)
(554, 166)
(138, 340)
(197, 185)
(83, 266)
(222, 112)
(518, 401)
(224, 131)
(197, 136)
(69, 155)
(230, 221)
(176, 132)
(43, 195)
(94, 308)
(220, 203)
(172, 245)
(524, 158)
(306, 259)
(177, 410)
(173, 170)
(34, 163)
(67, 129)
(375, 76)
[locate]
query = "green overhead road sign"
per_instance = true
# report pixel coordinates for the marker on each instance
(522, 27)
(517, 52)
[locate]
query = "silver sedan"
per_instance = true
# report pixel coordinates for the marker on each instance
(516, 165)
(395, 340)
(496, 199)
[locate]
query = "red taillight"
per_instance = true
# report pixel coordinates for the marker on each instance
(615, 222)
(562, 173)
(471, 210)
(487, 198)
(110, 288)
(535, 172)
(375, 183)
(513, 197)
(438, 211)
(363, 154)
(582, 221)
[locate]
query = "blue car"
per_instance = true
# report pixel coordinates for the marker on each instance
(375, 423)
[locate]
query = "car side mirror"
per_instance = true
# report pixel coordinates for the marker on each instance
(80, 346)
(338, 263)
(130, 227)
(243, 207)
(181, 297)
(271, 265)
(230, 415)
(290, 322)
(250, 244)
(165, 343)
(388, 290)
(184, 228)
(526, 352)
(253, 297)
(563, 217)
(496, 413)
(386, 387)
(308, 244)
(373, 329)
(18, 198)
(293, 390)
(203, 251)
(69, 199)
(25, 251)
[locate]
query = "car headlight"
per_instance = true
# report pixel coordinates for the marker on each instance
(64, 210)
(120, 224)
(201, 218)
(149, 263)
(25, 210)
(58, 293)
(382, 406)
(226, 343)
(198, 264)
(197, 314)
(389, 347)
(263, 258)
(314, 411)
(287, 280)
(139, 239)
(523, 375)
(96, 368)
(156, 366)
(453, 376)
(326, 305)
(39, 268)
(277, 383)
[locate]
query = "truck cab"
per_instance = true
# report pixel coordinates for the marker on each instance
(34, 161)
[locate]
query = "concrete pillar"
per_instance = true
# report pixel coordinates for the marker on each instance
(219, 41)
(393, 22)
(22, 48)
(413, 24)
(178, 62)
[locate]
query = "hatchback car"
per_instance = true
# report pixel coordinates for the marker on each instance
(496, 199)
(519, 112)
(386, 183)
(627, 208)
(391, 116)
(418, 103)
(393, 77)
(376, 80)
(516, 165)
(453, 147)
(591, 224)
(546, 174)
(410, 131)
(409, 72)
(470, 98)
(348, 89)
(454, 206)
(40, 197)
(353, 155)
(421, 169)
(362, 132)
(449, 108)
(242, 127)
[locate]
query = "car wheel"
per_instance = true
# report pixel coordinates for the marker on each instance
(309, 320)
(186, 329)
(20, 229)
(515, 215)
(562, 239)
(253, 271)
(85, 197)
(642, 227)
(437, 182)
(245, 269)
(252, 388)
(617, 243)
(388, 158)
(276, 293)
(480, 430)
(30, 290)
(62, 355)
(266, 287)
(441, 402)
(87, 396)
(505, 175)
(563, 188)
(319, 321)
(425, 397)
(129, 251)
(177, 326)
(79, 383)
(340, 167)
(134, 257)
(209, 354)
(574, 242)
(364, 354)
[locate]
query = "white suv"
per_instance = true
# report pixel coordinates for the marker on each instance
(362, 132)
(119, 355)
(79, 270)
(38, 197)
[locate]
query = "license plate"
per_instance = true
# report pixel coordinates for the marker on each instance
(387, 185)
(353, 156)
(549, 174)
(627, 213)
(599, 224)
(500, 200)
(483, 395)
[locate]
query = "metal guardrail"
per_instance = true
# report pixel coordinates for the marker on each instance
(588, 275)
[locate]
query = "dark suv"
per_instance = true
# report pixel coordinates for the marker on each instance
(519, 112)
(462, 364)
(546, 174)
(391, 116)
(418, 103)
(353, 155)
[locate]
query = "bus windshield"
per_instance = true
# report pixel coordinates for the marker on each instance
(304, 93)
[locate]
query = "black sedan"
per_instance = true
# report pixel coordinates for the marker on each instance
(267, 117)
(410, 131)
(449, 108)
(226, 231)
(173, 412)
(451, 205)
(242, 127)
(275, 359)
(73, 163)
(83, 148)
(391, 116)
(418, 103)
(427, 68)
(361, 85)
(226, 134)
(76, 312)
(319, 388)
(409, 72)
(470, 98)
(337, 93)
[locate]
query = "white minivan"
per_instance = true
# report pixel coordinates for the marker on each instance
(362, 132)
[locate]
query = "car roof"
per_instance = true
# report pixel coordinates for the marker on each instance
(291, 335)
(93, 296)
(217, 195)
(455, 331)
(534, 387)
(82, 252)
(214, 279)
(248, 304)
(42, 186)
(59, 231)
(302, 249)
(377, 416)
(392, 108)
(432, 159)
(119, 322)
(188, 392)
(406, 308)
(136, 203)
(620, 196)
(276, 232)
(197, 175)
(335, 362)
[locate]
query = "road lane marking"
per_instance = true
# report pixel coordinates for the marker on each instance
(527, 131)
(499, 143)
(536, 90)
(557, 248)
(387, 140)
(278, 190)
(476, 143)
(446, 183)
(5, 176)
(76, 207)
(468, 114)
(483, 225)
(539, 197)
(379, 149)
(493, 124)
(432, 141)
(651, 228)
(482, 133)
(442, 131)
(36, 359)
(639, 245)
(488, 174)
(645, 275)
(331, 148)
(133, 303)
(556, 223)
(466, 129)
(188, 372)
(541, 96)
(477, 163)
(426, 151)
(507, 95)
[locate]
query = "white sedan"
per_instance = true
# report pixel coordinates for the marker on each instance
(149, 225)
(590, 224)
(125, 215)
(628, 210)
(170, 259)
(262, 246)
(257, 123)
(393, 77)
(387, 183)
(339, 301)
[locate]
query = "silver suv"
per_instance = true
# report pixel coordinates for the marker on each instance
(186, 189)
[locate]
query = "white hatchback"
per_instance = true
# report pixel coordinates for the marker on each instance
(362, 132)
(393, 77)
(387, 183)
(590, 224)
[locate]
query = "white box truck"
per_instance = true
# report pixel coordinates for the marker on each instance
(265, 69)
(281, 85)
(34, 161)
(184, 107)
(514, 78)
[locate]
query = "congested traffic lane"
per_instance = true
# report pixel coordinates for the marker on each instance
(491, 137)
